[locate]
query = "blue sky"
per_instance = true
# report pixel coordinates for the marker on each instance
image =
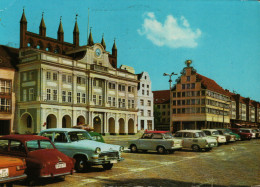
(221, 37)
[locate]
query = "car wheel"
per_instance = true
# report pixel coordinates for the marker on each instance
(107, 166)
(81, 164)
(161, 150)
(196, 148)
(133, 148)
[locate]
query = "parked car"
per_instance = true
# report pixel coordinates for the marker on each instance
(160, 141)
(42, 158)
(214, 133)
(257, 131)
(248, 130)
(96, 136)
(11, 168)
(243, 134)
(232, 133)
(229, 137)
(196, 140)
(78, 144)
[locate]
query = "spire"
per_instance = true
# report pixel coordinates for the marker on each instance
(23, 30)
(76, 28)
(90, 38)
(60, 32)
(23, 18)
(103, 42)
(76, 32)
(42, 28)
(114, 46)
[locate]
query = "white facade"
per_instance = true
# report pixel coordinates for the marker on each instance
(58, 91)
(145, 103)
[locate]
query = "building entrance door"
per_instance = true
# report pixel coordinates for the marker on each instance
(142, 124)
(5, 127)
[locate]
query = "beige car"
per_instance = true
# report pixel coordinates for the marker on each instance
(214, 133)
(196, 140)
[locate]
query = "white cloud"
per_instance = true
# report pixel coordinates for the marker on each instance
(172, 33)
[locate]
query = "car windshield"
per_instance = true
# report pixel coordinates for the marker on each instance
(79, 135)
(38, 144)
(246, 131)
(199, 134)
(168, 135)
(215, 133)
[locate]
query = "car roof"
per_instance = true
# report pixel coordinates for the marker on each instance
(156, 132)
(63, 130)
(210, 129)
(190, 130)
(23, 137)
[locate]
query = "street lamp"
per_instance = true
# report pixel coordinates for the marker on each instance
(170, 83)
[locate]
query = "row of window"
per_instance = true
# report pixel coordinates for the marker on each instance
(65, 78)
(198, 110)
(5, 105)
(217, 95)
(199, 101)
(146, 85)
(5, 86)
(28, 76)
(147, 92)
(149, 103)
(188, 86)
(163, 106)
(189, 94)
(149, 113)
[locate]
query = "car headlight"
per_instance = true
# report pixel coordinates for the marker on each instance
(98, 150)
(121, 149)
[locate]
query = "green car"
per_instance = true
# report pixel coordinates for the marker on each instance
(230, 132)
(97, 137)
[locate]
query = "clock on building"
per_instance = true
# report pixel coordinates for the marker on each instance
(98, 52)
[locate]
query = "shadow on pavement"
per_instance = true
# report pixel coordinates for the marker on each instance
(153, 182)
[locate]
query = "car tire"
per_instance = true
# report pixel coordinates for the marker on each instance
(133, 149)
(107, 166)
(161, 150)
(81, 164)
(195, 148)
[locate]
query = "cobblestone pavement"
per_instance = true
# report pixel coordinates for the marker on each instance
(236, 164)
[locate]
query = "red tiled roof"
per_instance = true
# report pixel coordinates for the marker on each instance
(211, 85)
(8, 57)
(161, 96)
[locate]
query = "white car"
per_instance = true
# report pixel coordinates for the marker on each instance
(214, 133)
(196, 140)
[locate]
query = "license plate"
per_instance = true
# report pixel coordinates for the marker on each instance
(113, 161)
(4, 172)
(60, 165)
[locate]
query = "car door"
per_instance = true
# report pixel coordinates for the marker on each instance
(157, 139)
(60, 141)
(187, 139)
(145, 142)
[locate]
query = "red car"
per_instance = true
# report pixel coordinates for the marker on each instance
(244, 135)
(42, 158)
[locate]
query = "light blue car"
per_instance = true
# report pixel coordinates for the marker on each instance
(78, 144)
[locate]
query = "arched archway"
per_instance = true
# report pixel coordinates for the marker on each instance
(66, 121)
(121, 126)
(97, 124)
(131, 126)
(80, 120)
(26, 124)
(51, 121)
(111, 126)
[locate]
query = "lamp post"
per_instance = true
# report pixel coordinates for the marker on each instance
(170, 83)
